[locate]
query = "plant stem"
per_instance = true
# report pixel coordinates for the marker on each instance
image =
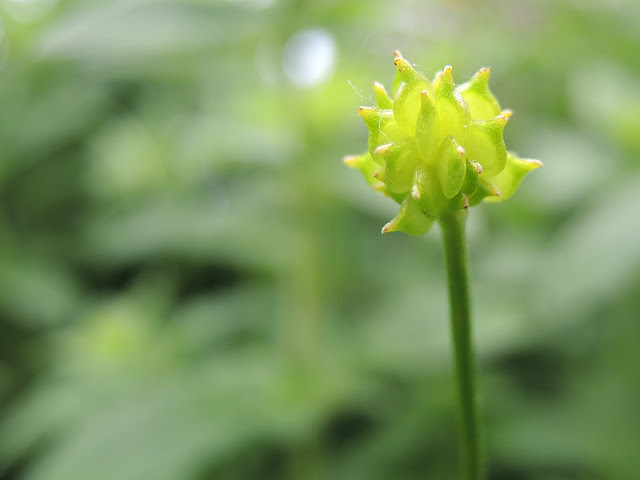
(452, 224)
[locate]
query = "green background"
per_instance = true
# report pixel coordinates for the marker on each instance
(193, 286)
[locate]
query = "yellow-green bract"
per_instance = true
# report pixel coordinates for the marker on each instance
(436, 147)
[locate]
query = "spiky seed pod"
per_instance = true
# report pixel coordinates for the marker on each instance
(436, 146)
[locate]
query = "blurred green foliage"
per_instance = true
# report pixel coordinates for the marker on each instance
(192, 286)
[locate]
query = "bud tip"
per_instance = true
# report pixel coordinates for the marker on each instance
(481, 78)
(367, 112)
(383, 149)
(402, 64)
(537, 163)
(425, 99)
(379, 187)
(350, 160)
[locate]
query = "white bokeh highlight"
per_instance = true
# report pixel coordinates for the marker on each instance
(309, 57)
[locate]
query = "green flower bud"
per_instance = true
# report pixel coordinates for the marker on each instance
(437, 147)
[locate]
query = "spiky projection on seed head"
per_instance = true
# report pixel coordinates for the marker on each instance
(436, 146)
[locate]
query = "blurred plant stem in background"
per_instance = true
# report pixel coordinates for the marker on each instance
(306, 462)
(303, 327)
(302, 331)
(303, 320)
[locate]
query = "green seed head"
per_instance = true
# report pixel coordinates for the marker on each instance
(437, 147)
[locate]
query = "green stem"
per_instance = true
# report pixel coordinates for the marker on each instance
(452, 224)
